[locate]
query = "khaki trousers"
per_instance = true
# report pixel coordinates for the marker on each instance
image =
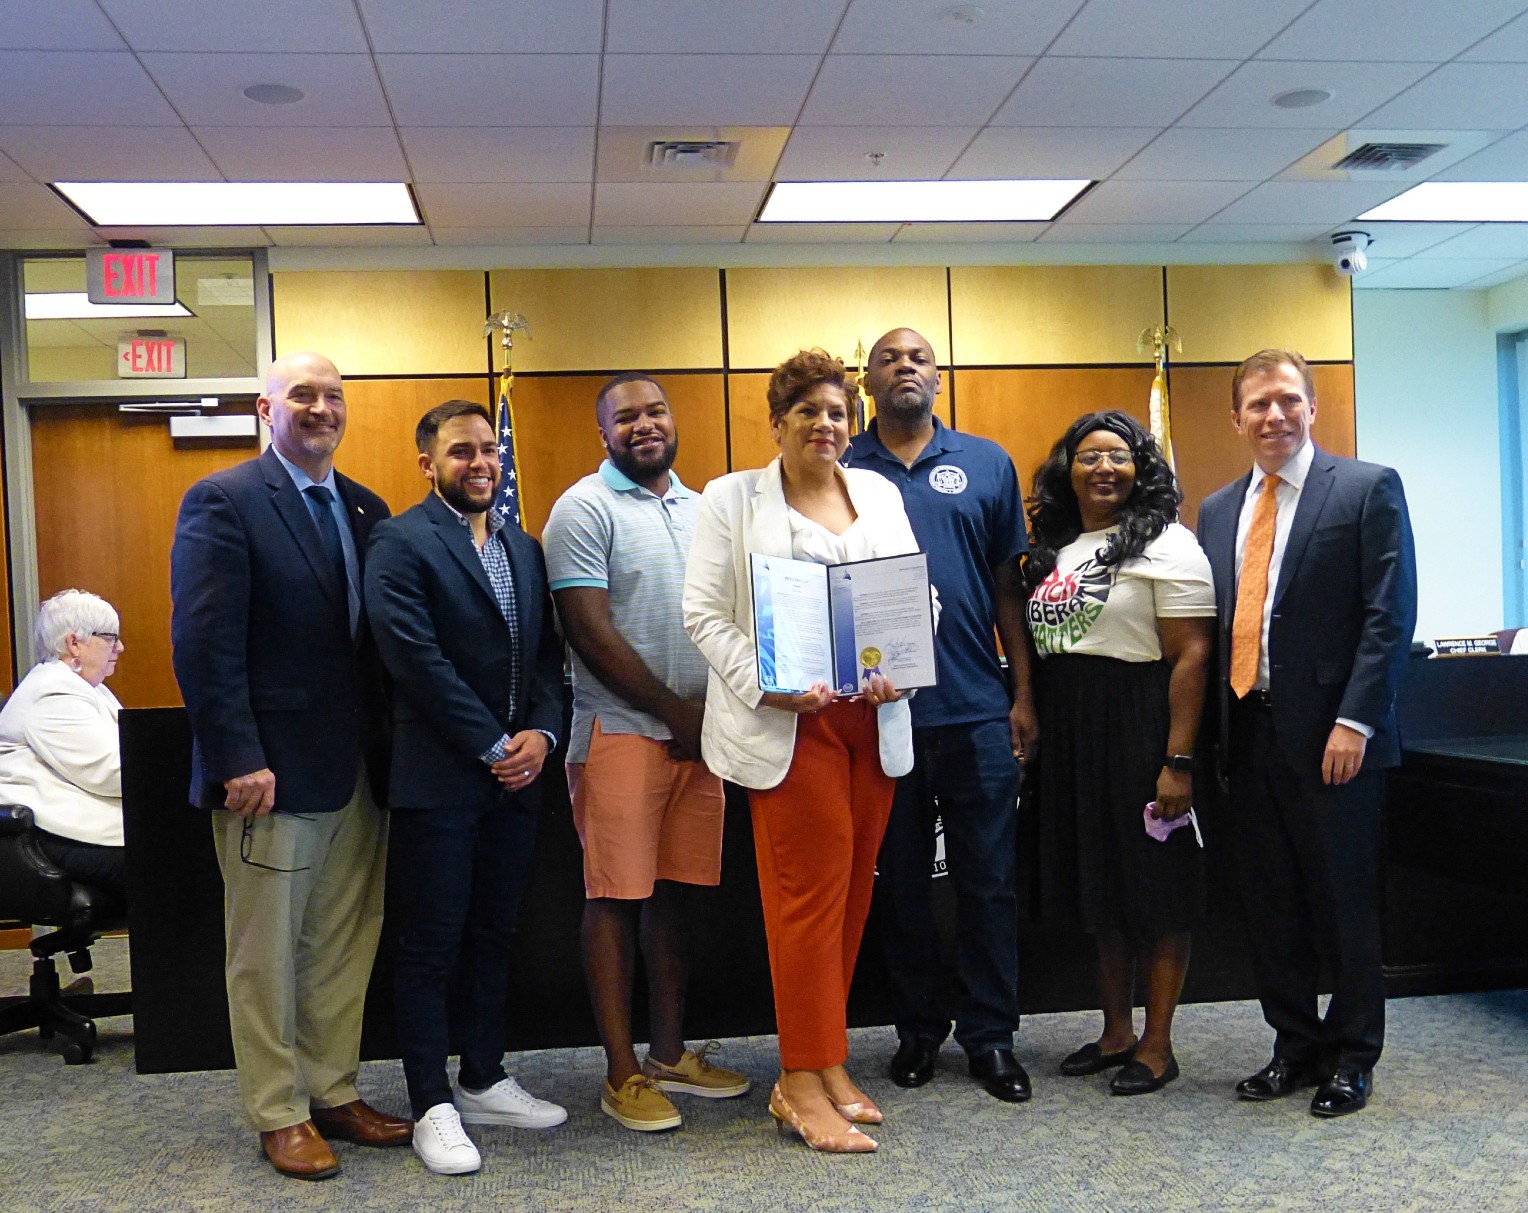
(300, 942)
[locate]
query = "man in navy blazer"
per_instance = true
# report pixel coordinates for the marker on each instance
(463, 619)
(284, 692)
(1309, 661)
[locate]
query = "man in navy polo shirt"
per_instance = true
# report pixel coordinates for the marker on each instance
(969, 733)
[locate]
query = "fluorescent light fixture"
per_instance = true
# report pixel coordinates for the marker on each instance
(918, 201)
(76, 305)
(1457, 202)
(240, 203)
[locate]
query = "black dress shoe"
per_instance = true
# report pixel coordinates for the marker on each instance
(1347, 1090)
(1277, 1079)
(1137, 1079)
(1090, 1059)
(913, 1063)
(1001, 1074)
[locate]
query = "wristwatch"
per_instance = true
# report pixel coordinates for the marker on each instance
(1180, 762)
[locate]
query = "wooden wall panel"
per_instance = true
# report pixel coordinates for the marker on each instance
(613, 320)
(107, 488)
(559, 442)
(773, 312)
(1210, 452)
(1025, 411)
(375, 322)
(1047, 314)
(1223, 313)
(380, 416)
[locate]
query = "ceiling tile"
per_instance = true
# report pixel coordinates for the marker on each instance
(1179, 202)
(271, 25)
(821, 233)
(724, 90)
(969, 233)
(1327, 202)
(1420, 30)
(192, 237)
(1511, 274)
(508, 237)
(909, 90)
(1246, 96)
(1432, 273)
(491, 153)
(1113, 233)
(208, 89)
(1483, 240)
(1480, 96)
(463, 205)
(704, 26)
(25, 205)
(877, 27)
(619, 203)
(1396, 240)
(44, 88)
(107, 153)
(305, 153)
(1505, 160)
(1110, 92)
(1050, 151)
(485, 26)
(389, 236)
(491, 90)
(9, 169)
(1189, 29)
(58, 25)
(1209, 154)
(1507, 45)
(688, 234)
(49, 238)
(842, 153)
(1255, 233)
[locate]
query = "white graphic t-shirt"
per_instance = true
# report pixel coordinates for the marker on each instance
(1083, 607)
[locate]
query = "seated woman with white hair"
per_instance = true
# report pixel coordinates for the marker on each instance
(59, 749)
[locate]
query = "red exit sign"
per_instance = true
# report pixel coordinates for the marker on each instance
(151, 358)
(137, 275)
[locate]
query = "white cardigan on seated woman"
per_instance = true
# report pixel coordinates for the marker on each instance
(60, 755)
(745, 512)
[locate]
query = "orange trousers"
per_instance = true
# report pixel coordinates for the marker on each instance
(816, 836)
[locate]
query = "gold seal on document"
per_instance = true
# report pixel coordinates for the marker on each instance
(870, 657)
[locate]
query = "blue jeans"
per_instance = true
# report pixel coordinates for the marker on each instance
(457, 882)
(966, 774)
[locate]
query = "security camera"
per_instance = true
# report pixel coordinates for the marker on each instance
(1348, 254)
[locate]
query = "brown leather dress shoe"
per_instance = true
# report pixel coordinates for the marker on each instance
(358, 1122)
(299, 1151)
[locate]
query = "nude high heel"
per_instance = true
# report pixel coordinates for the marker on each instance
(860, 1112)
(788, 1121)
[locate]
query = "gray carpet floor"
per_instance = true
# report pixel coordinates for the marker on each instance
(1447, 1130)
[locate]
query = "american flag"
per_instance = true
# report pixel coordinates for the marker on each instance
(507, 501)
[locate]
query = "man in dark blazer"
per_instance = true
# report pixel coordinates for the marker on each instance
(463, 620)
(284, 692)
(1315, 576)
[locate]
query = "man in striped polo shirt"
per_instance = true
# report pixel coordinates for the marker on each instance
(648, 812)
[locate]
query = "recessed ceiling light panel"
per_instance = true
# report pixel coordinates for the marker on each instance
(239, 203)
(918, 201)
(75, 305)
(1456, 202)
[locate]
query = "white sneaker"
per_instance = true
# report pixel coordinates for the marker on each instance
(443, 1145)
(507, 1103)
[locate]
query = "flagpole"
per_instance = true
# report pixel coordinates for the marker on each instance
(507, 499)
(1159, 338)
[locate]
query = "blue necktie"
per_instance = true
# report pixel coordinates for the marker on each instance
(319, 501)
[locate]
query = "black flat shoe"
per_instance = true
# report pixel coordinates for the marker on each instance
(913, 1063)
(1277, 1079)
(1137, 1079)
(1000, 1073)
(1346, 1091)
(1090, 1059)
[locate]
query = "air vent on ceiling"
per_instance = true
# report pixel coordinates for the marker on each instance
(1388, 157)
(714, 154)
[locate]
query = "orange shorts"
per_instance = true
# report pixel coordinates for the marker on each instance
(642, 816)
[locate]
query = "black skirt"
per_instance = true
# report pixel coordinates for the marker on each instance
(1103, 737)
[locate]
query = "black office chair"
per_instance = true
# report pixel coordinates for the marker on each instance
(33, 890)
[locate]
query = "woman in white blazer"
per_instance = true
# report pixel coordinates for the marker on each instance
(59, 753)
(819, 768)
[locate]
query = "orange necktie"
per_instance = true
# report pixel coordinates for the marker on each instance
(1252, 591)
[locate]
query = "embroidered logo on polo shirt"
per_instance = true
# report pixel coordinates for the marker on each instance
(946, 478)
